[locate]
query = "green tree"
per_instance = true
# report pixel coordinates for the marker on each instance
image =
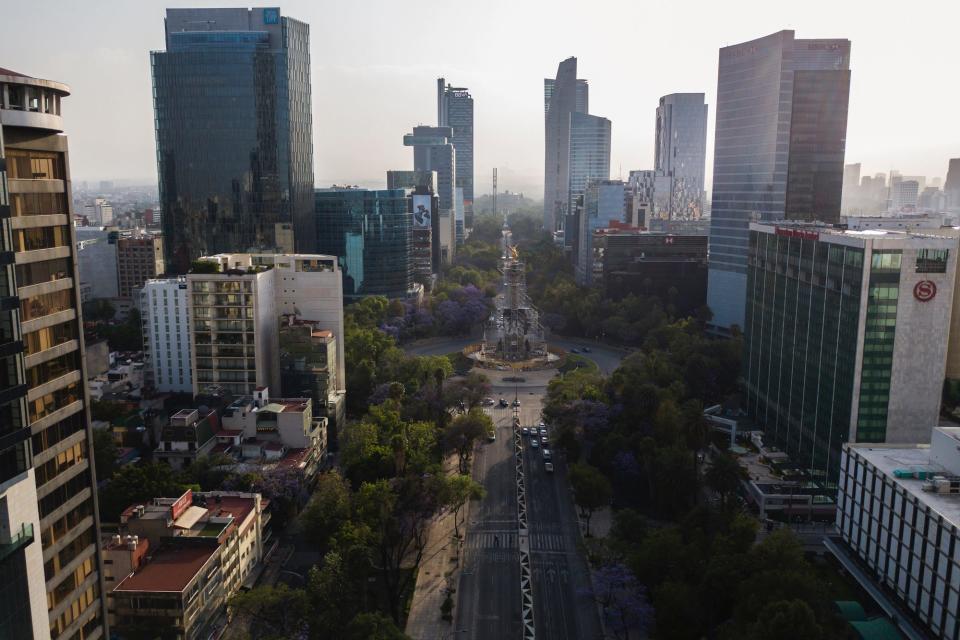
(724, 476)
(273, 613)
(373, 626)
(138, 485)
(787, 620)
(104, 454)
(463, 432)
(459, 490)
(328, 509)
(209, 472)
(591, 490)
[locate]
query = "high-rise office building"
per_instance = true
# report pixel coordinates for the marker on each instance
(433, 150)
(562, 97)
(455, 110)
(780, 141)
(139, 258)
(604, 203)
(589, 153)
(846, 337)
(49, 527)
(681, 152)
(234, 133)
(904, 195)
(426, 249)
(369, 231)
(581, 101)
(951, 186)
(165, 323)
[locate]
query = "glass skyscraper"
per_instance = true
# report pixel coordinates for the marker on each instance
(845, 337)
(370, 232)
(562, 97)
(589, 153)
(234, 133)
(780, 141)
(681, 152)
(455, 110)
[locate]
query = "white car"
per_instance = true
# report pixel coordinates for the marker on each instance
(547, 454)
(548, 467)
(534, 444)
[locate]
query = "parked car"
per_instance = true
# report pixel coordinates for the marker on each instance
(548, 467)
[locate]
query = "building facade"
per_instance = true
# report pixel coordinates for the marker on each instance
(680, 152)
(426, 247)
(951, 186)
(845, 338)
(49, 525)
(234, 133)
(369, 231)
(233, 330)
(899, 520)
(563, 96)
(779, 149)
(433, 150)
(604, 204)
(139, 258)
(165, 321)
(589, 153)
(455, 110)
(97, 261)
(308, 368)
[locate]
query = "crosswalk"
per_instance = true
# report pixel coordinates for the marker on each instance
(547, 542)
(504, 540)
(486, 540)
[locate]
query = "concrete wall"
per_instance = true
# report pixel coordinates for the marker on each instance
(920, 350)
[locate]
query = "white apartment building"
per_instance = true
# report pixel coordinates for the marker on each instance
(164, 313)
(899, 516)
(309, 286)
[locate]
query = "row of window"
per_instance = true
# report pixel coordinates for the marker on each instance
(54, 401)
(61, 462)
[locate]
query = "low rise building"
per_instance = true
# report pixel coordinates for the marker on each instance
(899, 522)
(176, 561)
(187, 436)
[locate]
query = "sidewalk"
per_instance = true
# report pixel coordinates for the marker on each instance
(436, 573)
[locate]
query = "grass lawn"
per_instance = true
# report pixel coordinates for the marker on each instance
(575, 361)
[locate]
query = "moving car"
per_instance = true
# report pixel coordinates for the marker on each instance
(525, 431)
(548, 467)
(516, 403)
(544, 441)
(492, 435)
(534, 444)
(574, 350)
(489, 402)
(586, 349)
(503, 403)
(543, 430)
(547, 454)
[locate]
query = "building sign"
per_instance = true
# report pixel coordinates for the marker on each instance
(271, 16)
(796, 233)
(422, 211)
(182, 504)
(924, 291)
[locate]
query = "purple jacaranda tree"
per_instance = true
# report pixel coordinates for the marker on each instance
(626, 610)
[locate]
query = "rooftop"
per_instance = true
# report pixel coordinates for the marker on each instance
(170, 569)
(889, 458)
(823, 231)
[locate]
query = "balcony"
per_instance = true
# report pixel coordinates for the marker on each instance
(16, 540)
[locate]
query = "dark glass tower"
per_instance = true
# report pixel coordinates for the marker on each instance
(780, 141)
(455, 110)
(370, 232)
(234, 133)
(563, 96)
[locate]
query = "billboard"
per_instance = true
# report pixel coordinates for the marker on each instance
(422, 211)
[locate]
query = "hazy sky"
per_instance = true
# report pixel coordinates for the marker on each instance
(375, 62)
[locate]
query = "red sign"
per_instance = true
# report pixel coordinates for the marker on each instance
(797, 233)
(924, 291)
(181, 505)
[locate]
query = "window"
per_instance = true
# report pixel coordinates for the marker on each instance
(932, 260)
(34, 165)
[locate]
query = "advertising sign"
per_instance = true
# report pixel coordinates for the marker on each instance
(178, 507)
(422, 212)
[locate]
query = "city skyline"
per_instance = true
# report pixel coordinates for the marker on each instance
(351, 146)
